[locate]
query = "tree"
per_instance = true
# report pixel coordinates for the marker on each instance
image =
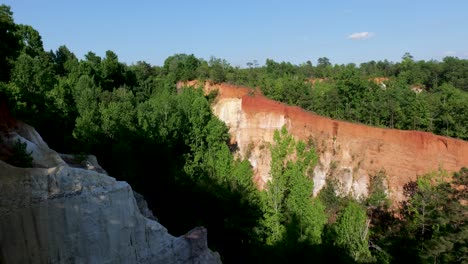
(323, 68)
(31, 79)
(143, 71)
(118, 115)
(436, 217)
(323, 62)
(306, 69)
(182, 67)
(352, 90)
(20, 156)
(378, 191)
(86, 94)
(299, 203)
(31, 40)
(65, 61)
(454, 71)
(218, 69)
(289, 208)
(160, 118)
(352, 232)
(113, 74)
(279, 69)
(448, 111)
(274, 196)
(10, 44)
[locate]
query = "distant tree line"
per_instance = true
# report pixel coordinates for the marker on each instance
(411, 95)
(428, 96)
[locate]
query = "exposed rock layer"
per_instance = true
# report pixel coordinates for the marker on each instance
(350, 152)
(61, 213)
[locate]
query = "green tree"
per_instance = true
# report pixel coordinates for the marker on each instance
(34, 75)
(218, 69)
(31, 79)
(352, 90)
(20, 156)
(118, 114)
(436, 217)
(143, 71)
(182, 67)
(454, 71)
(352, 232)
(113, 72)
(31, 40)
(65, 61)
(86, 95)
(160, 119)
(274, 196)
(289, 208)
(324, 67)
(279, 69)
(378, 191)
(91, 67)
(10, 44)
(299, 202)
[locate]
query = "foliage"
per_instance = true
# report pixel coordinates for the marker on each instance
(218, 69)
(288, 202)
(332, 202)
(378, 191)
(436, 217)
(168, 144)
(87, 122)
(356, 94)
(20, 156)
(183, 67)
(10, 44)
(352, 232)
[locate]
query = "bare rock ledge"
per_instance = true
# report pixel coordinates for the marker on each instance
(58, 212)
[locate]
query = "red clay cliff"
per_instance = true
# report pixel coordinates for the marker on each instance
(349, 152)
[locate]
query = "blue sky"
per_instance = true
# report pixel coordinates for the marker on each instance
(245, 30)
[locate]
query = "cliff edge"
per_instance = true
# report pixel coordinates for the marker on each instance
(67, 210)
(351, 153)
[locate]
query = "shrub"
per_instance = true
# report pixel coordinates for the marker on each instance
(20, 156)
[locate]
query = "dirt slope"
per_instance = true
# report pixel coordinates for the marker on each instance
(349, 152)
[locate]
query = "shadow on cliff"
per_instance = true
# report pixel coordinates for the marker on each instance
(156, 171)
(291, 250)
(180, 204)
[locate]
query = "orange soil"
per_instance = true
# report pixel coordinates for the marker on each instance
(402, 154)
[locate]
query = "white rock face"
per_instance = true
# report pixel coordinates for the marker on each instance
(62, 214)
(254, 134)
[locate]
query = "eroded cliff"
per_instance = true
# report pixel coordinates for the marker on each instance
(67, 210)
(349, 152)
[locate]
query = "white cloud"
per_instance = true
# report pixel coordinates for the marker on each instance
(449, 53)
(361, 35)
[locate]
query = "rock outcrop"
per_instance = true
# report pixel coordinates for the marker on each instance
(349, 152)
(59, 212)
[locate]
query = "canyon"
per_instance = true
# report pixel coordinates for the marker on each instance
(67, 209)
(348, 152)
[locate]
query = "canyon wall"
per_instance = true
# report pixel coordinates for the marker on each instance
(349, 152)
(66, 209)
